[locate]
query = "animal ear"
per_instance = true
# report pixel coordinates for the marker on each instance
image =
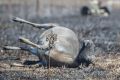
(88, 42)
(85, 42)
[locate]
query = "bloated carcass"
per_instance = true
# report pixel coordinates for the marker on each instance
(58, 44)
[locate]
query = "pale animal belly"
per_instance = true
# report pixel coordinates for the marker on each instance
(67, 42)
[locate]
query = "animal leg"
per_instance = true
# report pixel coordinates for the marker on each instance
(11, 48)
(32, 50)
(41, 47)
(45, 26)
(35, 63)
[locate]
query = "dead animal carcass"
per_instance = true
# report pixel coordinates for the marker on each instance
(57, 43)
(96, 8)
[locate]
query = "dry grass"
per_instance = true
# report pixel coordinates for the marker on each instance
(110, 64)
(105, 67)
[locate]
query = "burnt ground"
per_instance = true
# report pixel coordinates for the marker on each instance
(104, 31)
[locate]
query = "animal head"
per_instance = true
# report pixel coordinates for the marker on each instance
(88, 43)
(86, 52)
(89, 49)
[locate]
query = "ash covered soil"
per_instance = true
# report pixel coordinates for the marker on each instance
(104, 31)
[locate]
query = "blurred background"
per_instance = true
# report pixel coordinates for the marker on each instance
(46, 8)
(42, 8)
